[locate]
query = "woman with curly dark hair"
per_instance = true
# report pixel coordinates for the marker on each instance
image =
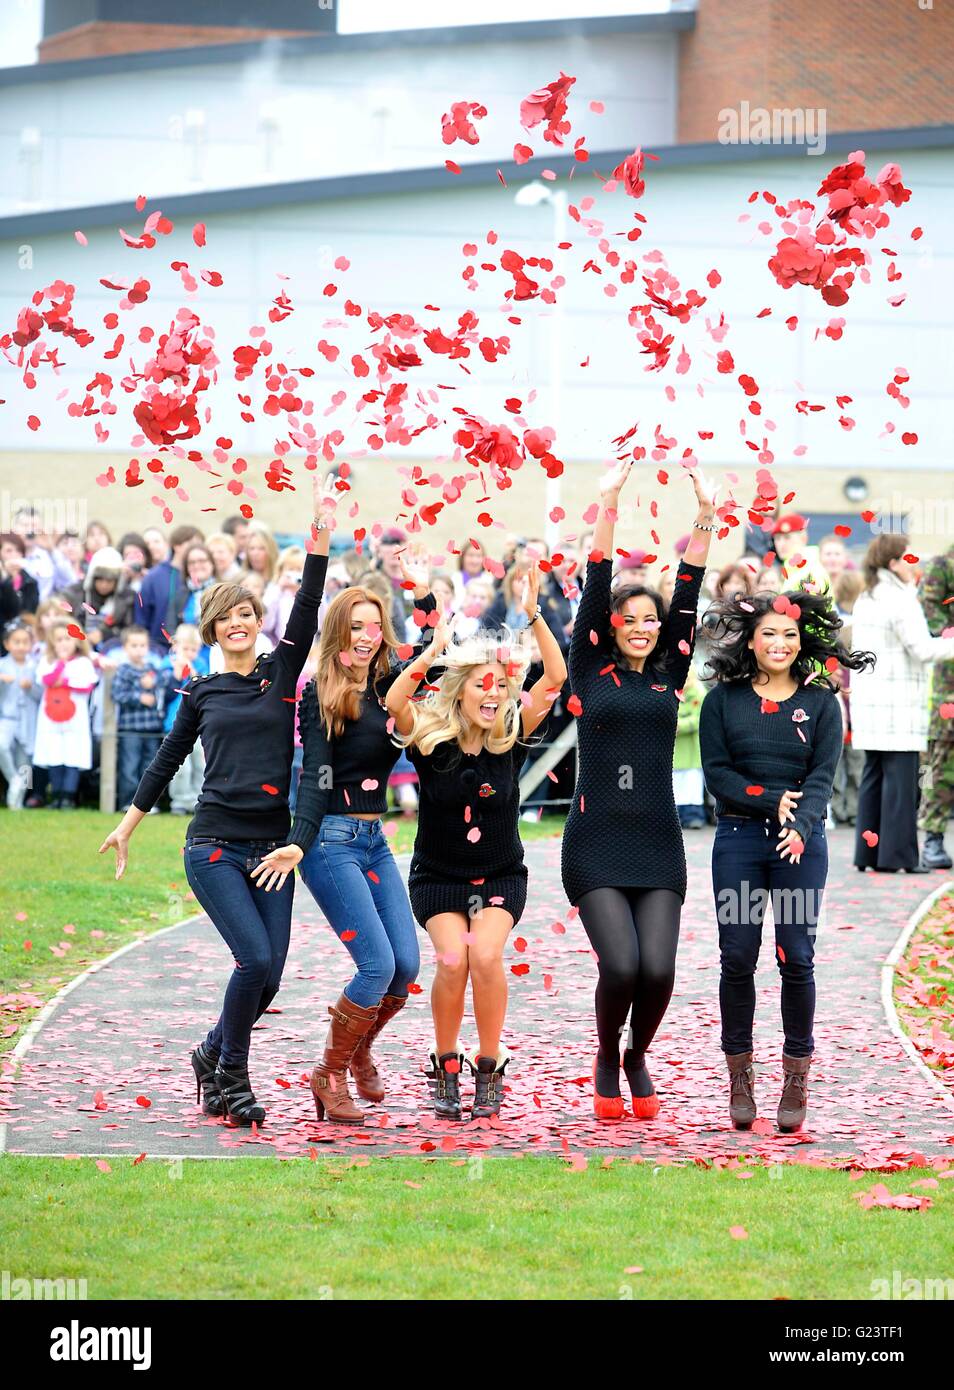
(771, 735)
(623, 861)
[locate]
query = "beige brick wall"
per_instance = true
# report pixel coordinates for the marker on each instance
(51, 480)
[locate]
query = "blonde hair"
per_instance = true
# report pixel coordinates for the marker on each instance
(219, 600)
(188, 632)
(291, 557)
(64, 625)
(438, 719)
(339, 696)
(263, 532)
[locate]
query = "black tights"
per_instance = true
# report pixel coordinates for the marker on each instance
(634, 932)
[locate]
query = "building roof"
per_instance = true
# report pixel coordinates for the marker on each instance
(333, 45)
(479, 174)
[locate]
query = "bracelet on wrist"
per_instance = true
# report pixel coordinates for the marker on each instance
(537, 614)
(319, 524)
(700, 527)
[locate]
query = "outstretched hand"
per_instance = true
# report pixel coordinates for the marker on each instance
(613, 481)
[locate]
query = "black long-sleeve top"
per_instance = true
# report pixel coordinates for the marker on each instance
(623, 829)
(246, 725)
(347, 773)
(749, 758)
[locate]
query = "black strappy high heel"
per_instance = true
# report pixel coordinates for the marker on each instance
(238, 1098)
(204, 1062)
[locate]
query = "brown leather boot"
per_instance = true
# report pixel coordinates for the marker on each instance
(329, 1080)
(794, 1102)
(742, 1109)
(367, 1078)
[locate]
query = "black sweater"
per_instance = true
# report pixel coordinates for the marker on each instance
(347, 773)
(623, 828)
(247, 726)
(743, 748)
(469, 806)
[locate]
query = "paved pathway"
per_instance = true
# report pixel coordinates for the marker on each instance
(125, 1032)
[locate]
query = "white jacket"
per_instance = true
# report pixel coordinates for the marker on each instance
(889, 704)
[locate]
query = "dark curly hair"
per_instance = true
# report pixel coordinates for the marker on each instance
(656, 661)
(731, 624)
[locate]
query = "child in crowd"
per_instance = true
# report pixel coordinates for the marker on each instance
(65, 675)
(687, 781)
(136, 695)
(288, 581)
(19, 698)
(187, 658)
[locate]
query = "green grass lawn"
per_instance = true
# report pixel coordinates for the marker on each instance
(924, 988)
(58, 895)
(528, 1228)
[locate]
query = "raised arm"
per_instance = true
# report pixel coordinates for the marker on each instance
(405, 685)
(296, 641)
(593, 614)
(545, 690)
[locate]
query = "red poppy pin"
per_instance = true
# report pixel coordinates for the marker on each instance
(486, 790)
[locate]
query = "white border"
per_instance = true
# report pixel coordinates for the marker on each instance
(51, 1005)
(887, 989)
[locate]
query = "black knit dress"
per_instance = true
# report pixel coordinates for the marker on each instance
(623, 830)
(468, 854)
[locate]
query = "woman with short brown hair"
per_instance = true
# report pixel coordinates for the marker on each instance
(245, 718)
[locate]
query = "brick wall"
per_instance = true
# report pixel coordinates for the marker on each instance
(872, 64)
(99, 39)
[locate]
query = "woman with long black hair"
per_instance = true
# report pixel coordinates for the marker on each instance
(771, 735)
(624, 864)
(338, 838)
(245, 718)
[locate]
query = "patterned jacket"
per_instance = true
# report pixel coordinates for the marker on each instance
(937, 585)
(889, 704)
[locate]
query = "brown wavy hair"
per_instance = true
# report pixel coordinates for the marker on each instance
(339, 697)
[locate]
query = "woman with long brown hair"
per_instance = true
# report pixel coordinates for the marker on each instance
(338, 837)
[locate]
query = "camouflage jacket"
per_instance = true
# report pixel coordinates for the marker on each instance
(937, 584)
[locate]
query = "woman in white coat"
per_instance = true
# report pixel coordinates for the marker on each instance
(889, 706)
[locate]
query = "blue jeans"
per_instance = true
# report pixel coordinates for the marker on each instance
(371, 915)
(136, 752)
(255, 926)
(747, 873)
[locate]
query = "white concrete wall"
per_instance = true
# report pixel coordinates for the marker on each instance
(405, 251)
(82, 141)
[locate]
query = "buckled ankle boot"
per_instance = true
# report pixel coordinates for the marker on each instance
(367, 1078)
(329, 1079)
(238, 1099)
(794, 1101)
(443, 1082)
(488, 1084)
(742, 1109)
(204, 1062)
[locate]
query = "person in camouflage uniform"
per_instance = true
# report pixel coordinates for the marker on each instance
(937, 585)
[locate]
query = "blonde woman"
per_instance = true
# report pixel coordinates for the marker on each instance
(338, 838)
(468, 881)
(261, 557)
